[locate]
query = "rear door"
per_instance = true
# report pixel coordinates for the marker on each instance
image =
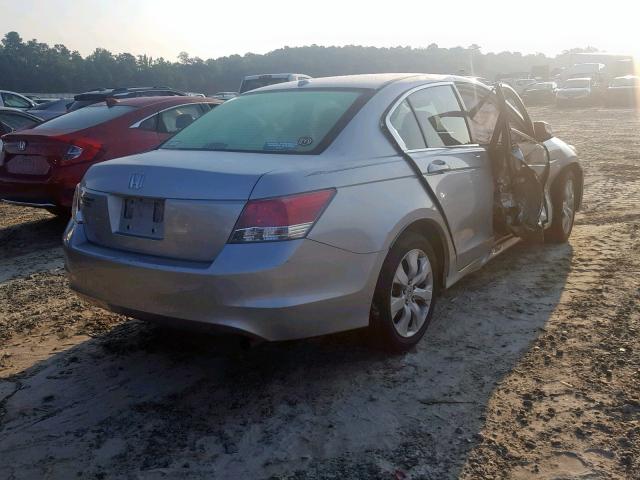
(433, 131)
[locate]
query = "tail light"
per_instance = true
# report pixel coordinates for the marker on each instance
(282, 218)
(82, 150)
(73, 152)
(76, 206)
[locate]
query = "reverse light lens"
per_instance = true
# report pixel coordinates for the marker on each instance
(73, 153)
(282, 218)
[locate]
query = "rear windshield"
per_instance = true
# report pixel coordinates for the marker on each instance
(78, 104)
(254, 83)
(623, 82)
(278, 121)
(54, 104)
(85, 117)
(577, 83)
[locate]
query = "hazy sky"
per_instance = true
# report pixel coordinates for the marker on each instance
(214, 28)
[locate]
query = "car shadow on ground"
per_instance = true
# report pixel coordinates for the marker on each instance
(150, 402)
(39, 232)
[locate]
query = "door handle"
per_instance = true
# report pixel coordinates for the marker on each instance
(438, 166)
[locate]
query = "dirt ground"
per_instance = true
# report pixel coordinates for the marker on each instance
(530, 370)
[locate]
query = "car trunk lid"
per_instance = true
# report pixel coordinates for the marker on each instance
(170, 203)
(32, 155)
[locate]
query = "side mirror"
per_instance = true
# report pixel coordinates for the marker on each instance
(542, 131)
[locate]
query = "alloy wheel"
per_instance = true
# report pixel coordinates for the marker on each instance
(568, 206)
(411, 293)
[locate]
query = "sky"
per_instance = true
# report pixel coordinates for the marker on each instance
(211, 29)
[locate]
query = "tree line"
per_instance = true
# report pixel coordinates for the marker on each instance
(34, 66)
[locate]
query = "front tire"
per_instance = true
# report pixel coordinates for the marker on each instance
(564, 208)
(405, 294)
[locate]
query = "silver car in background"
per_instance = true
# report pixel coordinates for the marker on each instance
(323, 205)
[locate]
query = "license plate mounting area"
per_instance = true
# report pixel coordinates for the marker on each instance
(142, 217)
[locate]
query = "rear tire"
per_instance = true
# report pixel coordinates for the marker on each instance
(563, 198)
(405, 294)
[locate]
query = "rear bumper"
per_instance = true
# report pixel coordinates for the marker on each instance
(54, 190)
(275, 291)
(35, 194)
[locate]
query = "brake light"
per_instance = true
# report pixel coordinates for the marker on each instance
(282, 218)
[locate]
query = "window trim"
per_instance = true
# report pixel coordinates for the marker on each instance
(396, 136)
(139, 122)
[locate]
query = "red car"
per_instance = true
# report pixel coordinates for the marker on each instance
(41, 166)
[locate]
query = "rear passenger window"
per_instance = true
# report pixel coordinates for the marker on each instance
(150, 124)
(404, 122)
(175, 119)
(440, 116)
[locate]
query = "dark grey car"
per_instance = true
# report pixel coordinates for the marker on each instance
(323, 205)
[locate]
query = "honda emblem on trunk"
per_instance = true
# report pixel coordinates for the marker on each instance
(22, 145)
(136, 180)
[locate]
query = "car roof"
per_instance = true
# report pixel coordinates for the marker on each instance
(373, 81)
(272, 75)
(109, 92)
(140, 102)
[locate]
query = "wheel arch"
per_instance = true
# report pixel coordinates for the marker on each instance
(578, 172)
(436, 236)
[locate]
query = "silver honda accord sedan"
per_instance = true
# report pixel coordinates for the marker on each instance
(322, 205)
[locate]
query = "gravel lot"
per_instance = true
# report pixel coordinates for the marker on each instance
(530, 370)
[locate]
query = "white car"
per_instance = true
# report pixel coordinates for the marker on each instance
(15, 100)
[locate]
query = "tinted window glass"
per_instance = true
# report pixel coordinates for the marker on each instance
(78, 104)
(623, 82)
(518, 117)
(14, 101)
(440, 116)
(483, 112)
(176, 119)
(404, 122)
(252, 84)
(16, 121)
(289, 121)
(150, 123)
(85, 117)
(578, 83)
(55, 105)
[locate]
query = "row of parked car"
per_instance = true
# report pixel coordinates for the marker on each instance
(49, 158)
(585, 91)
(62, 138)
